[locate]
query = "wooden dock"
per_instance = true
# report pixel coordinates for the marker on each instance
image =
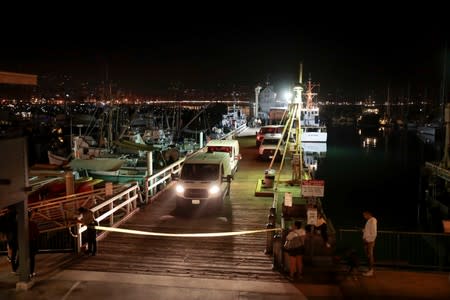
(237, 257)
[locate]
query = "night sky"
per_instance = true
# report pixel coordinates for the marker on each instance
(355, 54)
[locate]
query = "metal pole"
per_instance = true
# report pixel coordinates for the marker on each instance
(150, 163)
(257, 91)
(201, 139)
(446, 159)
(24, 252)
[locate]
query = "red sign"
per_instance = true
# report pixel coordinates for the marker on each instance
(313, 188)
(314, 182)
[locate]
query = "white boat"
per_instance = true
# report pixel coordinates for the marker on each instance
(427, 133)
(312, 129)
(58, 160)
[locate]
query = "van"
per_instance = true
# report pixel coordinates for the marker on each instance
(231, 147)
(269, 131)
(205, 178)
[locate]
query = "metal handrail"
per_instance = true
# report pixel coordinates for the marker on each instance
(402, 232)
(401, 248)
(112, 205)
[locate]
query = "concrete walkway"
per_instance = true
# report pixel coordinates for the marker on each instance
(318, 281)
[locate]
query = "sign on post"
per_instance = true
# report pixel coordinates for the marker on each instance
(313, 188)
(288, 199)
(311, 216)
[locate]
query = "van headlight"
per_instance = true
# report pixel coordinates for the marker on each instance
(214, 190)
(179, 189)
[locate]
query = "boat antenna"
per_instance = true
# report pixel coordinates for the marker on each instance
(300, 79)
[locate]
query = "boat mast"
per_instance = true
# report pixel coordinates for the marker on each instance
(444, 84)
(309, 92)
(388, 110)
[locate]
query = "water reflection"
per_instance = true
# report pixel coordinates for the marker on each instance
(377, 169)
(313, 153)
(370, 137)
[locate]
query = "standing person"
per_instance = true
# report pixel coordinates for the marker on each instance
(12, 237)
(87, 218)
(321, 225)
(33, 231)
(296, 254)
(369, 236)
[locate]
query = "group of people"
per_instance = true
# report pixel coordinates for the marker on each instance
(296, 254)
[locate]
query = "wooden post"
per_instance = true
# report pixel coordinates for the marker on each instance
(111, 217)
(79, 240)
(24, 253)
(108, 189)
(70, 183)
(270, 234)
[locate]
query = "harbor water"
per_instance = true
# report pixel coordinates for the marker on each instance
(374, 169)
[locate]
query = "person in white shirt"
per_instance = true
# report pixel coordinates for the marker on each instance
(369, 237)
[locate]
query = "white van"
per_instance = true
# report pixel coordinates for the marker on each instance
(231, 147)
(269, 131)
(205, 178)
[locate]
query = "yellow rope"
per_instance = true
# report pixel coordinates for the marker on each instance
(210, 234)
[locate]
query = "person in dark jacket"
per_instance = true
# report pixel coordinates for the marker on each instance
(87, 218)
(12, 237)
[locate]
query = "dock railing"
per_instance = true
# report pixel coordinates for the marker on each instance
(113, 211)
(56, 217)
(420, 250)
(152, 184)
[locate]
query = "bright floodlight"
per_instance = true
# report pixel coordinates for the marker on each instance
(288, 95)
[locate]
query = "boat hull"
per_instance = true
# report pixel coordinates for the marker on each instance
(314, 137)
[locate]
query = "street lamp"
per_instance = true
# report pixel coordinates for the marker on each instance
(288, 96)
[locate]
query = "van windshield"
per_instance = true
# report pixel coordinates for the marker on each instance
(200, 172)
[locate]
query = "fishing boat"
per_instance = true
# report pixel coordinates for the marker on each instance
(58, 160)
(369, 117)
(313, 130)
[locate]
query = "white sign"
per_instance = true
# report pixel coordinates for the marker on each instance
(311, 215)
(313, 188)
(288, 199)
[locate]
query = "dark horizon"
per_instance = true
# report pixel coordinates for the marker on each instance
(356, 59)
